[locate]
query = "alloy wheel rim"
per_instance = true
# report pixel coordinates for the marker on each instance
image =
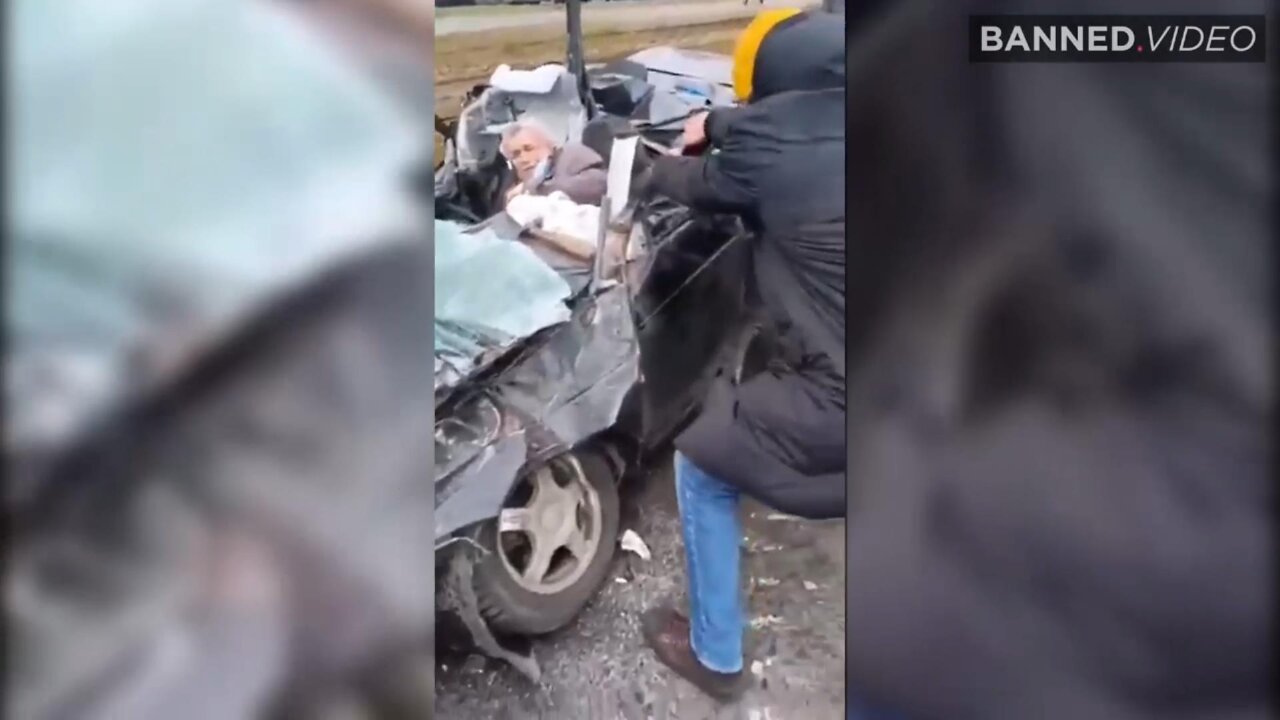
(548, 539)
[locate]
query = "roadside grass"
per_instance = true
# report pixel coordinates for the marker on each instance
(461, 62)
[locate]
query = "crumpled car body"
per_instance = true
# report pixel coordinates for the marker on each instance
(626, 358)
(618, 376)
(213, 264)
(613, 367)
(652, 90)
(629, 354)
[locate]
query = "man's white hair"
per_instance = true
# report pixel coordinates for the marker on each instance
(529, 125)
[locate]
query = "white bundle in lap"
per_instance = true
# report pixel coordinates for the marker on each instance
(555, 213)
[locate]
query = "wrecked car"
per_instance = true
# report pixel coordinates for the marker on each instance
(550, 386)
(213, 451)
(650, 92)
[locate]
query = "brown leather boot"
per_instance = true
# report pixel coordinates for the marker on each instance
(667, 632)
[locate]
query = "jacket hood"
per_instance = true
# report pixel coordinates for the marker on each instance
(796, 52)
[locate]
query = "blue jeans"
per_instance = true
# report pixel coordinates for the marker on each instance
(712, 546)
(712, 536)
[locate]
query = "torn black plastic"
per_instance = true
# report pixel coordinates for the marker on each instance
(457, 594)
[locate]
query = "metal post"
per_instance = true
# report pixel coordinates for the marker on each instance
(577, 56)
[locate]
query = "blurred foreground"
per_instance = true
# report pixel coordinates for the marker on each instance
(218, 488)
(1060, 378)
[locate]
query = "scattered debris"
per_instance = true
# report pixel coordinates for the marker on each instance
(767, 582)
(783, 516)
(810, 585)
(620, 580)
(757, 668)
(632, 542)
(765, 621)
(459, 595)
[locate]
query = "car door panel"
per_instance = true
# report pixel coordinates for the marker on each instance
(690, 302)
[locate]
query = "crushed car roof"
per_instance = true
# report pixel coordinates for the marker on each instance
(714, 67)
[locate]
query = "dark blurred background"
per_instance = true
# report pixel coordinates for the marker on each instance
(1060, 283)
(218, 362)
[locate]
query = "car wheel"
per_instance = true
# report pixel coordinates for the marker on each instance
(551, 546)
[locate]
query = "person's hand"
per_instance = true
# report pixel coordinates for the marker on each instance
(695, 131)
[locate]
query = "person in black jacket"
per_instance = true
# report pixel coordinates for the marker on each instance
(778, 162)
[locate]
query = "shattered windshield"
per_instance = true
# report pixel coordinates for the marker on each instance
(489, 293)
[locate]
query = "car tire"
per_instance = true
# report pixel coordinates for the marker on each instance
(506, 602)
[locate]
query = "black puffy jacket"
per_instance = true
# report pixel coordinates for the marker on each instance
(779, 163)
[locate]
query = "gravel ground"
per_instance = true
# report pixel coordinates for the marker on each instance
(598, 668)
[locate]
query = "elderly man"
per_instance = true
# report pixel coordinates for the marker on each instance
(542, 168)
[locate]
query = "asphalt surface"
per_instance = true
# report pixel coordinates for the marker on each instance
(598, 668)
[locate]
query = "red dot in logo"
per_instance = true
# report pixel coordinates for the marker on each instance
(1139, 48)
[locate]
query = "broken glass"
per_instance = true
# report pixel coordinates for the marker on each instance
(489, 294)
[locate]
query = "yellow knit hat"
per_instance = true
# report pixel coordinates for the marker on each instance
(748, 47)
